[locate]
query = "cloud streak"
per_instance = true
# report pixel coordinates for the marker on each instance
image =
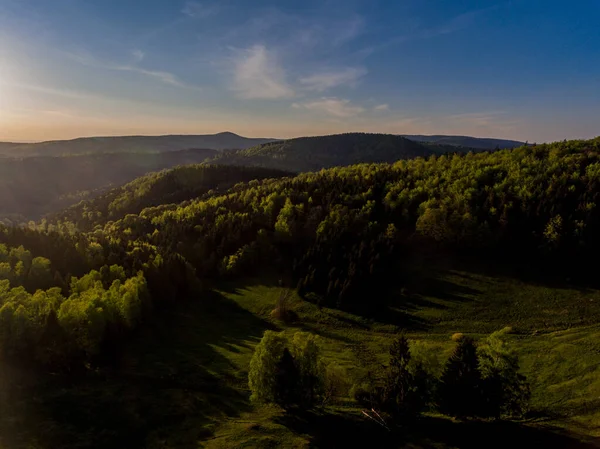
(336, 107)
(164, 77)
(453, 25)
(258, 75)
(197, 10)
(328, 80)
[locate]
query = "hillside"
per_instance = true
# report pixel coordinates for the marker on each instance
(314, 153)
(480, 143)
(166, 187)
(141, 332)
(35, 186)
(130, 144)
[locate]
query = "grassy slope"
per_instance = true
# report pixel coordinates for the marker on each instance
(182, 382)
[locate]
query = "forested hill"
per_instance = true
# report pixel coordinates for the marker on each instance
(32, 187)
(531, 200)
(130, 144)
(167, 187)
(171, 287)
(480, 143)
(314, 153)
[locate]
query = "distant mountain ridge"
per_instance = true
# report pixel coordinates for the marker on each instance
(480, 143)
(219, 141)
(130, 144)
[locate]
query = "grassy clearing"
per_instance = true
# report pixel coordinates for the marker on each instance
(182, 382)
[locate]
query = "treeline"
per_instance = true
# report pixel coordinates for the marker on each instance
(478, 380)
(171, 186)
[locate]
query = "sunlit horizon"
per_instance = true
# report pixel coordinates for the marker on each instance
(270, 69)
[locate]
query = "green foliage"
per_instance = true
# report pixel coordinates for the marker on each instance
(286, 373)
(506, 390)
(408, 385)
(262, 377)
(170, 186)
(307, 354)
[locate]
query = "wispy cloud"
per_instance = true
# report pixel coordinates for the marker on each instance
(335, 107)
(453, 25)
(199, 10)
(327, 80)
(257, 74)
(138, 56)
(382, 107)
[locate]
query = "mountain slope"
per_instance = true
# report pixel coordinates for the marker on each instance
(130, 144)
(32, 187)
(467, 141)
(166, 187)
(314, 153)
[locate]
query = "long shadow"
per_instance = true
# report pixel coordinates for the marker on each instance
(446, 290)
(334, 430)
(172, 383)
(494, 435)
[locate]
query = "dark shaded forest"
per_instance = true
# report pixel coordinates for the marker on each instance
(35, 186)
(314, 153)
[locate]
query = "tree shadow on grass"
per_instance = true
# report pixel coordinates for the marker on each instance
(352, 430)
(180, 375)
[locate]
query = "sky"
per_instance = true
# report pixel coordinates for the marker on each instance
(519, 69)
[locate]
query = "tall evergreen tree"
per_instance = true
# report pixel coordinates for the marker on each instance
(460, 390)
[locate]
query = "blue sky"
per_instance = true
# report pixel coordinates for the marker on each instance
(522, 69)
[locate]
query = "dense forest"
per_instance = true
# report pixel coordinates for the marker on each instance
(173, 186)
(467, 141)
(314, 153)
(75, 288)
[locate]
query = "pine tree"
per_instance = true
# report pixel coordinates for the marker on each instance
(460, 390)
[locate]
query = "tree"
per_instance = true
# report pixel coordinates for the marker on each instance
(506, 391)
(286, 374)
(262, 377)
(307, 354)
(460, 389)
(405, 393)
